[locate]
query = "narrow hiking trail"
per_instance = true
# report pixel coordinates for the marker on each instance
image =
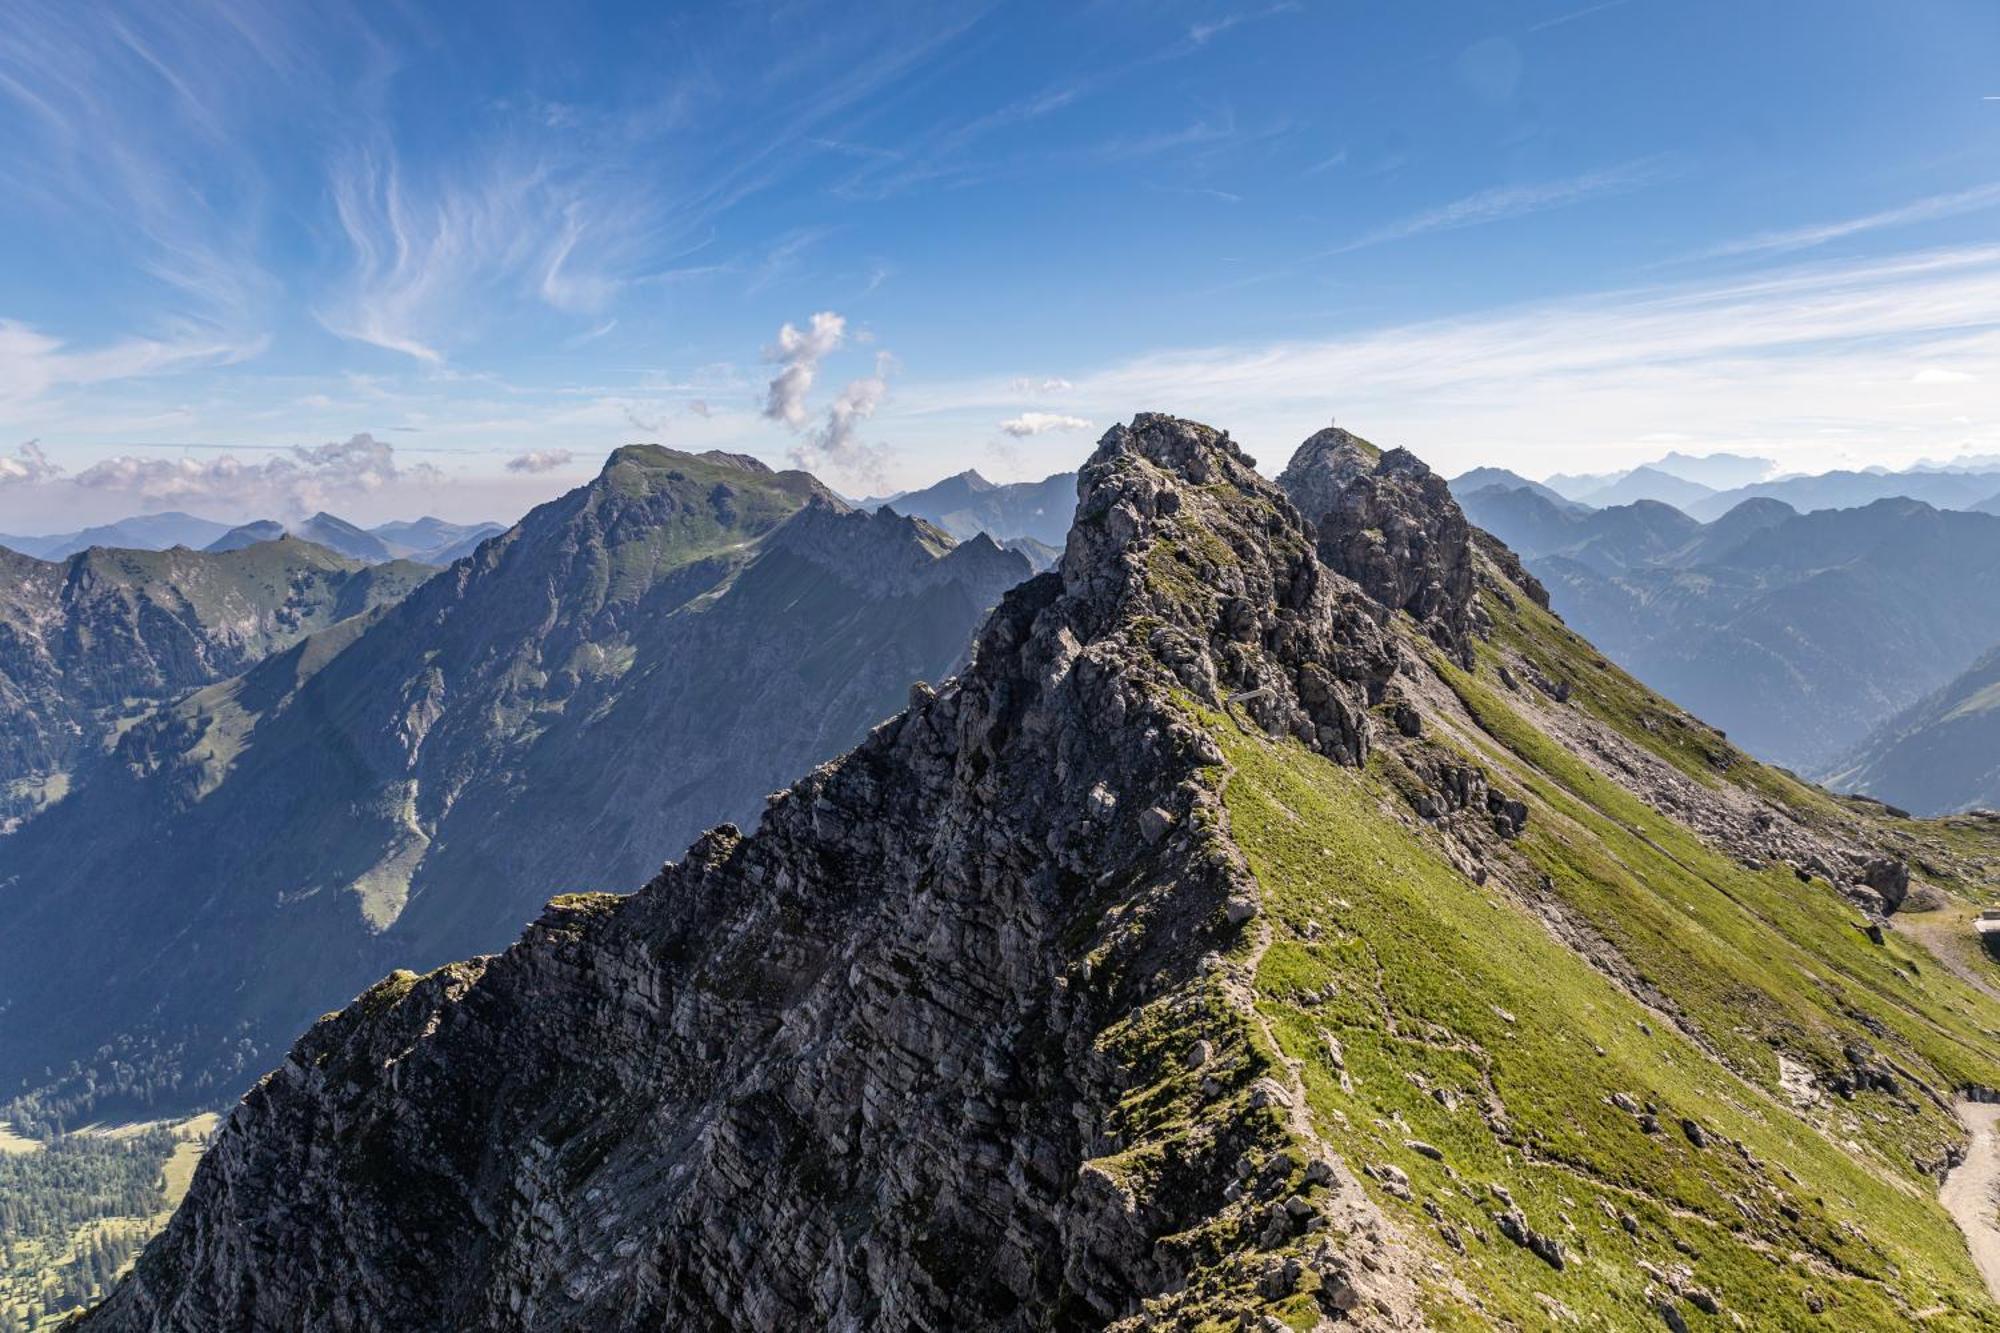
(1971, 1193)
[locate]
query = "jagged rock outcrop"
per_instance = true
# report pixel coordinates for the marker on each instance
(1389, 523)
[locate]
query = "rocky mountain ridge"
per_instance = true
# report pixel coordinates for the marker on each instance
(1389, 523)
(1218, 950)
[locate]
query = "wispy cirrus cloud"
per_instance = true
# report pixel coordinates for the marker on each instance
(33, 363)
(1202, 33)
(109, 114)
(433, 256)
(1573, 15)
(1792, 363)
(1505, 202)
(1930, 209)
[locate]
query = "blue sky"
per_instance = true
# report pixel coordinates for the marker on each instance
(402, 258)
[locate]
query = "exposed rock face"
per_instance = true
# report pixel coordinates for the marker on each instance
(1389, 523)
(874, 1066)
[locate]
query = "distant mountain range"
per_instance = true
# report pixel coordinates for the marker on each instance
(143, 532)
(1797, 633)
(1675, 471)
(566, 708)
(1710, 486)
(968, 503)
(336, 534)
(1489, 478)
(434, 541)
(1847, 490)
(429, 541)
(1647, 483)
(90, 642)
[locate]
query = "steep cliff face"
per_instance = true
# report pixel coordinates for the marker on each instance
(1389, 523)
(565, 709)
(1217, 950)
(88, 642)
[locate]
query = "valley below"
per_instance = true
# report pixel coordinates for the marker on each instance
(77, 1209)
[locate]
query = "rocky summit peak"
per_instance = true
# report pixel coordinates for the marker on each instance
(1389, 523)
(743, 461)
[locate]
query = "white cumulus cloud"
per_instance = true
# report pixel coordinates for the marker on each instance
(28, 465)
(297, 481)
(797, 353)
(1041, 423)
(835, 446)
(536, 461)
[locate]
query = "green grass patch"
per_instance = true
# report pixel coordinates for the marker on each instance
(1464, 1023)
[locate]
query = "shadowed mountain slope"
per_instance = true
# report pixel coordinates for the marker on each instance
(649, 653)
(1217, 951)
(90, 642)
(968, 503)
(1797, 633)
(1940, 755)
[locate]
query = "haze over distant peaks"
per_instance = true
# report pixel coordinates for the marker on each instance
(430, 541)
(141, 532)
(1940, 755)
(1646, 483)
(88, 644)
(1796, 632)
(968, 503)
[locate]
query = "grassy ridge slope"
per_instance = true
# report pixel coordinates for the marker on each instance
(1452, 1031)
